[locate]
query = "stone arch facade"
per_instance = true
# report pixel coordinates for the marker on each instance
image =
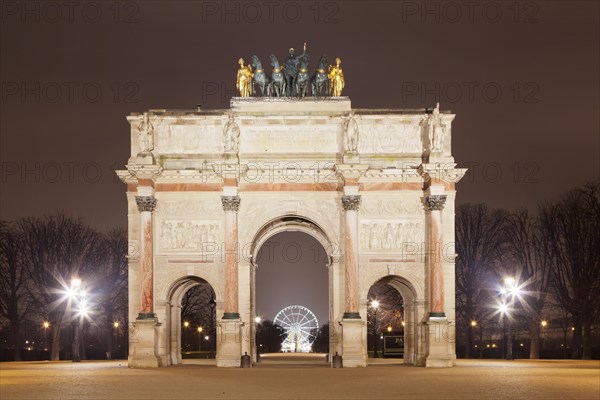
(382, 208)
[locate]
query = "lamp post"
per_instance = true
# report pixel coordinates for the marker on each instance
(544, 324)
(77, 296)
(186, 325)
(375, 306)
(199, 338)
(509, 291)
(116, 339)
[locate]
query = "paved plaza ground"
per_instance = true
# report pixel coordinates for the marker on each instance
(303, 379)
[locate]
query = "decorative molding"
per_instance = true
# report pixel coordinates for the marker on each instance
(231, 203)
(435, 202)
(145, 203)
(390, 235)
(351, 203)
(188, 235)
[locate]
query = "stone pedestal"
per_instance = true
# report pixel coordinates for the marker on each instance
(142, 344)
(439, 343)
(353, 348)
(229, 336)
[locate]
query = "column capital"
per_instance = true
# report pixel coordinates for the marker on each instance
(145, 203)
(435, 202)
(231, 203)
(351, 203)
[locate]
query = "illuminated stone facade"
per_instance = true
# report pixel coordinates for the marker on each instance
(206, 188)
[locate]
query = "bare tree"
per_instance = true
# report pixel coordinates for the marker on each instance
(572, 225)
(528, 250)
(15, 301)
(110, 280)
(478, 245)
(55, 249)
(389, 311)
(198, 308)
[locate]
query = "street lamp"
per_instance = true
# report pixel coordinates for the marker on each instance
(509, 292)
(199, 338)
(77, 296)
(116, 338)
(375, 306)
(186, 324)
(46, 325)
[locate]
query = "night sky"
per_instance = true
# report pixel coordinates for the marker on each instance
(522, 78)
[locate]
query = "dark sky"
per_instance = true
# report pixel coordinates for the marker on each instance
(523, 81)
(292, 271)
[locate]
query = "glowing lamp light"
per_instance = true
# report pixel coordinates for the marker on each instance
(375, 304)
(389, 328)
(116, 324)
(186, 324)
(207, 337)
(257, 320)
(46, 324)
(199, 329)
(544, 323)
(503, 307)
(473, 323)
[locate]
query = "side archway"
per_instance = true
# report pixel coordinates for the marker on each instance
(413, 312)
(175, 329)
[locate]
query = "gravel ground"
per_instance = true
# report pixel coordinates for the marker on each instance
(470, 379)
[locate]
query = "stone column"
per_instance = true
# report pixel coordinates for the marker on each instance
(146, 206)
(435, 205)
(231, 206)
(351, 206)
(229, 334)
(143, 342)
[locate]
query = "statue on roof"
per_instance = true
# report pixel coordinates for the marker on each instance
(244, 79)
(336, 78)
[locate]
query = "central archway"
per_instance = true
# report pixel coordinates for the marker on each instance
(295, 223)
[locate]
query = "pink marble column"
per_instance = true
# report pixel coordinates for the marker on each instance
(435, 205)
(146, 206)
(231, 205)
(351, 206)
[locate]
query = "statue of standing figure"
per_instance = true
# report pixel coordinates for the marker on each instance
(290, 71)
(146, 135)
(243, 82)
(231, 136)
(437, 130)
(351, 133)
(336, 78)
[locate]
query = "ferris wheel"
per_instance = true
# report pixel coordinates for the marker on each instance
(301, 327)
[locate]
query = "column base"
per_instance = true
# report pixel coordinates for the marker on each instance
(143, 344)
(229, 346)
(351, 315)
(439, 343)
(353, 348)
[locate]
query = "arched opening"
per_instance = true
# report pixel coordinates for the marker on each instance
(291, 289)
(392, 309)
(385, 321)
(193, 320)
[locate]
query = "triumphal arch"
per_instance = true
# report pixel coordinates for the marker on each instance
(206, 188)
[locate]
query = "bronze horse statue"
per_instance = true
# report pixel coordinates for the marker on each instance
(319, 82)
(302, 79)
(261, 79)
(277, 84)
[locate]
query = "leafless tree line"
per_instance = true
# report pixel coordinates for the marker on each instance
(38, 259)
(554, 254)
